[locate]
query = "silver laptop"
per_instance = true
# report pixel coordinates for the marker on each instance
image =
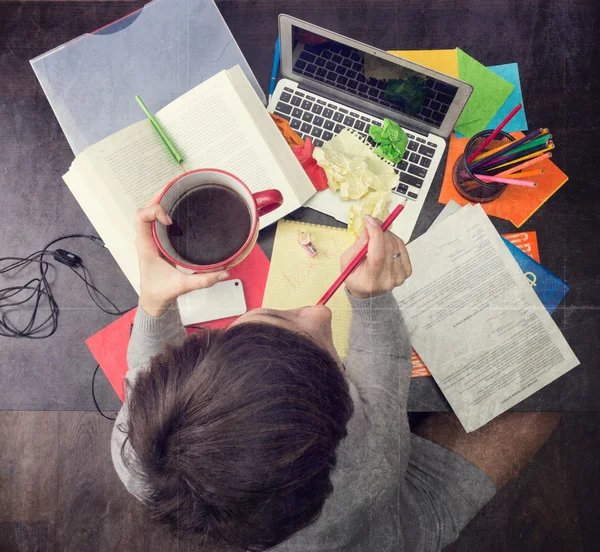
(330, 82)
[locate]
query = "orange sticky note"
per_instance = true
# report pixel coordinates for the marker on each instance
(517, 203)
(444, 61)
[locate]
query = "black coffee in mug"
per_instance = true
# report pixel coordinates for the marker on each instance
(210, 224)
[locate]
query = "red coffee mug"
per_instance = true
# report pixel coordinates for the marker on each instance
(258, 204)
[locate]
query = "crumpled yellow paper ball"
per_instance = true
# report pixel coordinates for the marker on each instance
(355, 172)
(376, 204)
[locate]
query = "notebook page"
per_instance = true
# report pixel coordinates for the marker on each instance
(297, 280)
(476, 322)
(211, 128)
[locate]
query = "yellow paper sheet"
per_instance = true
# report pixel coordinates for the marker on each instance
(444, 61)
(297, 280)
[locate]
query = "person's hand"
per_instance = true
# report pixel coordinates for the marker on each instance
(160, 282)
(386, 266)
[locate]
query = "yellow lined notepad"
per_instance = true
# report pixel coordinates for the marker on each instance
(297, 280)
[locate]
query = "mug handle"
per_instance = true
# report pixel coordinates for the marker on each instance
(267, 201)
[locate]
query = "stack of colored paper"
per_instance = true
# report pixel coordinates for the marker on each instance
(496, 90)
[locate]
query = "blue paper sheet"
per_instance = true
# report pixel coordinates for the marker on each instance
(548, 287)
(509, 72)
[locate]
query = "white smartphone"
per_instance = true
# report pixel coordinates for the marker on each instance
(223, 300)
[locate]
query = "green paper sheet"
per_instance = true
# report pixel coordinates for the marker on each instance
(489, 93)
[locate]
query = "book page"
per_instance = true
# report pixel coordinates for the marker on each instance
(211, 128)
(476, 322)
(132, 165)
(296, 176)
(296, 280)
(116, 230)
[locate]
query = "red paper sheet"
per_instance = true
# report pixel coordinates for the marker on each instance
(109, 346)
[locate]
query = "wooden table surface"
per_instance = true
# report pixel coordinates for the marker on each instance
(554, 42)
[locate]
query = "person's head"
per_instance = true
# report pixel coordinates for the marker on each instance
(235, 431)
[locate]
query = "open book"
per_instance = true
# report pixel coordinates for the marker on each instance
(220, 123)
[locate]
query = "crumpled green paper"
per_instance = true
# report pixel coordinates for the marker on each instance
(391, 139)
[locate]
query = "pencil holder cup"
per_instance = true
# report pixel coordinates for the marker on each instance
(466, 184)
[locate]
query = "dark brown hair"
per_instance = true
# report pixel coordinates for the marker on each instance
(235, 434)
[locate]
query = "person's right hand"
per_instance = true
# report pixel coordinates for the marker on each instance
(383, 269)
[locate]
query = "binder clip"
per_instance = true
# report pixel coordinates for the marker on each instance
(304, 241)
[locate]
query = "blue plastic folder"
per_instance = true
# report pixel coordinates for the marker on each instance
(509, 72)
(159, 52)
(548, 287)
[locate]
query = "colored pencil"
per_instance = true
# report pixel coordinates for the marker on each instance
(531, 144)
(275, 67)
(494, 133)
(528, 173)
(511, 145)
(361, 255)
(525, 149)
(507, 164)
(522, 166)
(160, 131)
(501, 161)
(512, 181)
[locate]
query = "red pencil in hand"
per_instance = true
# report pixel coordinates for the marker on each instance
(361, 255)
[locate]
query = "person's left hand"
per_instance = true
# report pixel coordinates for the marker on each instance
(160, 282)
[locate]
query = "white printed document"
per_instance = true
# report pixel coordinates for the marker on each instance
(476, 322)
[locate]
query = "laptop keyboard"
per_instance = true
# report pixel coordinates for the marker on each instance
(313, 116)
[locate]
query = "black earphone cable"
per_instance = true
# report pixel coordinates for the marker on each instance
(40, 290)
(94, 396)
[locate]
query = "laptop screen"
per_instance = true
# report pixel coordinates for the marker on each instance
(371, 78)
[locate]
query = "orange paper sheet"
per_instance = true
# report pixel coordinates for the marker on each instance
(526, 242)
(517, 203)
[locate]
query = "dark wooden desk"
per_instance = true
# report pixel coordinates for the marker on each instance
(555, 43)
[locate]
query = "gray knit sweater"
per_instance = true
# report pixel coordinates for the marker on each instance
(392, 490)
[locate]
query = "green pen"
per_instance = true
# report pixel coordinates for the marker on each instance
(160, 131)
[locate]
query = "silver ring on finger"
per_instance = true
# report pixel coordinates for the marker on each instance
(396, 255)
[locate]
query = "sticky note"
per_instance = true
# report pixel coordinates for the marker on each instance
(490, 91)
(444, 61)
(510, 73)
